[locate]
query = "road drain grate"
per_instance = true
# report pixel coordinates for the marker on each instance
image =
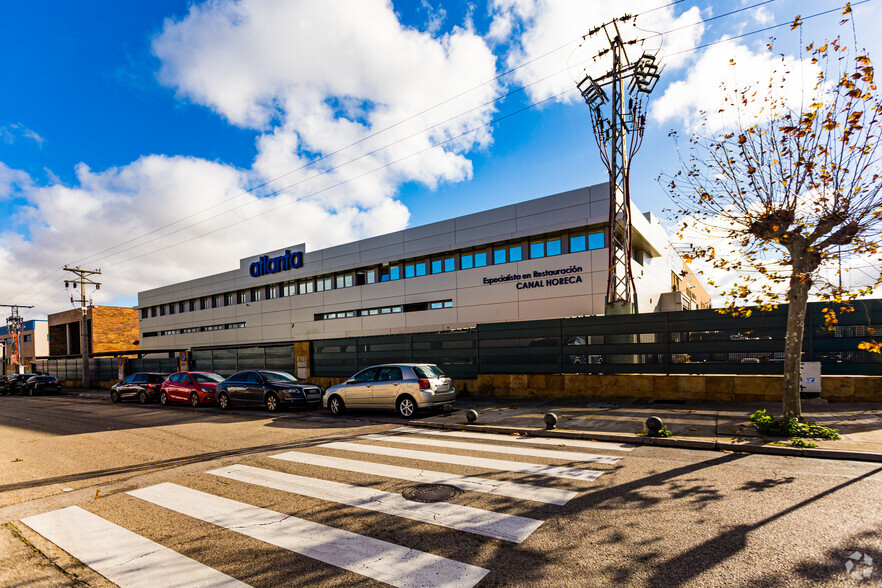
(431, 492)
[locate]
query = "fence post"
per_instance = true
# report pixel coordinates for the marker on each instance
(667, 343)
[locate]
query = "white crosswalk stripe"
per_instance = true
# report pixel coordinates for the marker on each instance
(123, 557)
(373, 558)
(453, 516)
(520, 440)
(129, 559)
(468, 483)
(525, 451)
(467, 460)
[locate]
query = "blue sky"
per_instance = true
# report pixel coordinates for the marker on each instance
(120, 118)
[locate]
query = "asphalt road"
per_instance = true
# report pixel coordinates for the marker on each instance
(302, 498)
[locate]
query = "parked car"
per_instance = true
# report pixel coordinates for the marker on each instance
(16, 383)
(193, 387)
(404, 387)
(273, 389)
(5, 383)
(141, 385)
(41, 385)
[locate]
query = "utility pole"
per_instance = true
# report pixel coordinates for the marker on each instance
(14, 326)
(83, 278)
(619, 134)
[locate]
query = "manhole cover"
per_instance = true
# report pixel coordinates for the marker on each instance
(431, 492)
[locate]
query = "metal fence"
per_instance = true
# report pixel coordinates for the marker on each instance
(228, 361)
(688, 342)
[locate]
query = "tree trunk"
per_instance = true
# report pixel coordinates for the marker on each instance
(798, 301)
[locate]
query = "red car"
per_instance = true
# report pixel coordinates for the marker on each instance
(193, 387)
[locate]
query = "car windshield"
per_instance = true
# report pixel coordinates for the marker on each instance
(278, 377)
(207, 378)
(428, 371)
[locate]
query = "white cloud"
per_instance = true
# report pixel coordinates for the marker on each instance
(546, 25)
(713, 78)
(11, 180)
(313, 78)
(115, 206)
(10, 134)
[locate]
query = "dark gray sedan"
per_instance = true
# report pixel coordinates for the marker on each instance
(273, 389)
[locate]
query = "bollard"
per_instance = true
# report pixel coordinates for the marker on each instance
(472, 416)
(550, 421)
(654, 425)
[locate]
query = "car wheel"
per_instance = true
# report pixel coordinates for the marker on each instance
(163, 398)
(406, 407)
(142, 397)
(336, 405)
(223, 400)
(272, 402)
(194, 399)
(114, 396)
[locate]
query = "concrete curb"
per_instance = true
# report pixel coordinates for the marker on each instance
(685, 443)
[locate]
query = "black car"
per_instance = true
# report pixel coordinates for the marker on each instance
(141, 385)
(15, 383)
(271, 388)
(5, 382)
(41, 385)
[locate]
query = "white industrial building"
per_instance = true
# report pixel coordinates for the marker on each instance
(539, 259)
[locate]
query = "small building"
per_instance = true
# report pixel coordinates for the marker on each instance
(110, 328)
(34, 341)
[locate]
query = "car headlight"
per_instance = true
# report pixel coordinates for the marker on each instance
(207, 390)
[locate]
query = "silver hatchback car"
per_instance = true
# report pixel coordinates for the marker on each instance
(404, 387)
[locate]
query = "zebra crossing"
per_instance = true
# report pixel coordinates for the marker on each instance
(128, 559)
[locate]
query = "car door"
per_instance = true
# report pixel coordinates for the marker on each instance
(385, 390)
(254, 388)
(236, 386)
(170, 387)
(188, 386)
(358, 388)
(134, 387)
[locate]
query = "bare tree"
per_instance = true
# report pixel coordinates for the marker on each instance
(784, 190)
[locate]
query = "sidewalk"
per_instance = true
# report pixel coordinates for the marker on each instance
(721, 426)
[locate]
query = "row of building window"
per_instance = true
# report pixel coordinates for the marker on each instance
(202, 329)
(534, 248)
(323, 316)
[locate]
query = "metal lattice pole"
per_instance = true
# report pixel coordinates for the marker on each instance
(619, 134)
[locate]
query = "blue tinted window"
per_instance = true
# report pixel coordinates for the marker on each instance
(577, 244)
(537, 250)
(596, 241)
(395, 273)
(552, 247)
(514, 254)
(499, 256)
(466, 262)
(449, 264)
(480, 259)
(437, 266)
(421, 269)
(409, 271)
